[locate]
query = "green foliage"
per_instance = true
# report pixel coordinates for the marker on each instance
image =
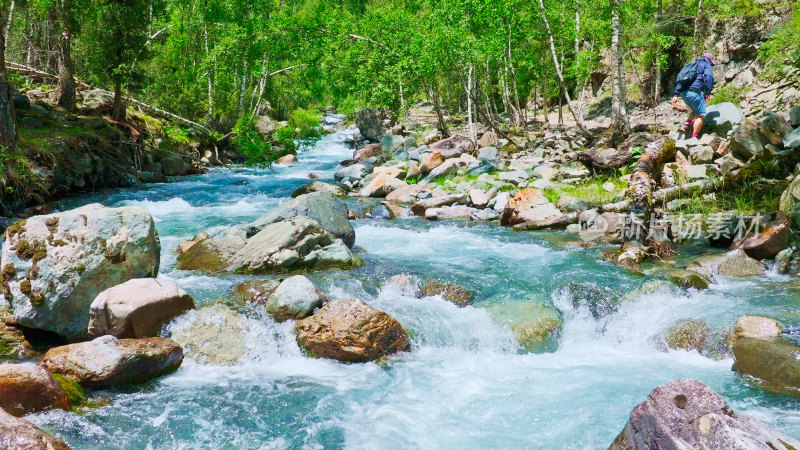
(177, 134)
(256, 150)
(305, 123)
(782, 50)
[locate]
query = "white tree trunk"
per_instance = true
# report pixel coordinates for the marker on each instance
(619, 118)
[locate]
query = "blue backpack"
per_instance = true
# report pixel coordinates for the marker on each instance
(688, 74)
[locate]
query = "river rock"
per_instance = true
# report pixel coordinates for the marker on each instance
(687, 414)
(19, 434)
(27, 388)
(756, 327)
(405, 194)
(421, 206)
(367, 151)
(350, 331)
(174, 165)
(390, 143)
(747, 141)
(737, 264)
(688, 279)
(296, 244)
(137, 308)
(327, 210)
(453, 146)
(774, 361)
(528, 205)
(794, 116)
(600, 301)
(253, 291)
(478, 198)
(206, 254)
(352, 173)
(771, 240)
(430, 161)
(55, 265)
(108, 361)
(721, 118)
(212, 335)
(453, 293)
(286, 159)
(567, 203)
(687, 334)
(384, 183)
(320, 186)
(13, 344)
(535, 326)
(296, 298)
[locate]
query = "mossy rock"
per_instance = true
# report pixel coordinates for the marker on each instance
(253, 291)
(688, 279)
(775, 363)
(536, 327)
(687, 335)
(75, 394)
(600, 301)
(451, 292)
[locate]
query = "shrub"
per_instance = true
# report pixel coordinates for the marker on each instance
(256, 150)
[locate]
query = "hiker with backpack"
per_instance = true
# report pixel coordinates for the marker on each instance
(694, 84)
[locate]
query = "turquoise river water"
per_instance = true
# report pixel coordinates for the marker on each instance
(465, 383)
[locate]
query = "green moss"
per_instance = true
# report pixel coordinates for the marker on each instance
(25, 287)
(8, 272)
(39, 255)
(24, 250)
(15, 229)
(75, 394)
(80, 268)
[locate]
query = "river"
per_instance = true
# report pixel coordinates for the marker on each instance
(465, 383)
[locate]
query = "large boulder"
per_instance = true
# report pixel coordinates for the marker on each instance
(529, 206)
(13, 343)
(213, 335)
(687, 414)
(296, 298)
(774, 127)
(775, 361)
(771, 240)
(721, 118)
(137, 308)
(737, 264)
(430, 161)
(27, 388)
(350, 331)
(265, 126)
(747, 141)
(109, 361)
(55, 265)
(299, 243)
(756, 327)
(406, 194)
(19, 434)
(174, 165)
(327, 210)
(371, 122)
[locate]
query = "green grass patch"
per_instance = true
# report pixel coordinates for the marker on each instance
(591, 191)
(728, 93)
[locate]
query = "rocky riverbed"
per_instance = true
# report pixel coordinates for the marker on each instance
(466, 323)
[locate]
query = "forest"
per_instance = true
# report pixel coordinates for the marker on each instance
(220, 62)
